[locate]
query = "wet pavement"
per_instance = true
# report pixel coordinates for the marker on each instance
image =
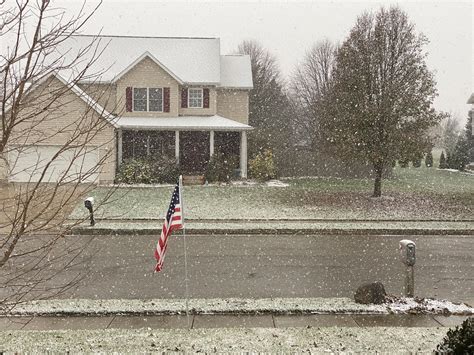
(265, 266)
(227, 321)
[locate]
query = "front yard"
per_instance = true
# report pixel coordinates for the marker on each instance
(411, 194)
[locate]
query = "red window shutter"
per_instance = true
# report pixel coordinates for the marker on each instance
(205, 98)
(166, 99)
(128, 99)
(184, 98)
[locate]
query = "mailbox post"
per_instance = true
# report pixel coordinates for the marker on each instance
(408, 256)
(89, 204)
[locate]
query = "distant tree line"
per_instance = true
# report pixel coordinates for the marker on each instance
(367, 102)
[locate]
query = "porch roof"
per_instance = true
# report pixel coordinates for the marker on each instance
(182, 123)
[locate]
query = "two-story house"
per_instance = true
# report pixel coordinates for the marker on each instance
(160, 96)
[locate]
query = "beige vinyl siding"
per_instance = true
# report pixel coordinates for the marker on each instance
(148, 74)
(233, 104)
(104, 94)
(56, 126)
(200, 111)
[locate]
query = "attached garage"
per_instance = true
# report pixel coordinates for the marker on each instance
(27, 164)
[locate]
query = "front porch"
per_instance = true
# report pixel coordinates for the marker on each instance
(191, 141)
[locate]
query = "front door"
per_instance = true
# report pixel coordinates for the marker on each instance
(194, 152)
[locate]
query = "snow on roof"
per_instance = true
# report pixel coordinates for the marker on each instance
(471, 99)
(192, 60)
(236, 71)
(188, 123)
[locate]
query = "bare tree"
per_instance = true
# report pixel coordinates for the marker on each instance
(40, 92)
(309, 84)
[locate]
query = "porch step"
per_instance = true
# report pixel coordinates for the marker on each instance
(193, 180)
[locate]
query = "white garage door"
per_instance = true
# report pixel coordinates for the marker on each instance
(27, 164)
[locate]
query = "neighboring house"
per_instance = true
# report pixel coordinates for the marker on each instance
(172, 97)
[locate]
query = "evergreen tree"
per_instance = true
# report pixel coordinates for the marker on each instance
(269, 105)
(429, 159)
(449, 160)
(416, 163)
(460, 156)
(442, 161)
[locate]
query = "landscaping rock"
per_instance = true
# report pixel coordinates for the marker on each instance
(370, 293)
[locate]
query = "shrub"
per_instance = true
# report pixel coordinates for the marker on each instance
(459, 340)
(403, 163)
(148, 171)
(220, 168)
(429, 159)
(164, 170)
(135, 171)
(416, 163)
(442, 161)
(262, 167)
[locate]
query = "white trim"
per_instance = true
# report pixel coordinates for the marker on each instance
(138, 60)
(202, 97)
(182, 123)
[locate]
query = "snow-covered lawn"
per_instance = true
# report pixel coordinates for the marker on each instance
(268, 340)
(237, 305)
(412, 194)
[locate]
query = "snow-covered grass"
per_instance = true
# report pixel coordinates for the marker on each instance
(237, 305)
(267, 340)
(255, 227)
(411, 194)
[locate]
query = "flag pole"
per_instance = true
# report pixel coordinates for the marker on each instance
(184, 243)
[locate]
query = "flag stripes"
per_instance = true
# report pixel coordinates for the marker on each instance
(173, 221)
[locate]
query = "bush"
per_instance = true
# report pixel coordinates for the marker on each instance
(262, 167)
(416, 163)
(148, 171)
(403, 163)
(220, 169)
(442, 161)
(459, 340)
(429, 159)
(164, 170)
(135, 171)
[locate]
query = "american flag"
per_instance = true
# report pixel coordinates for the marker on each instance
(173, 221)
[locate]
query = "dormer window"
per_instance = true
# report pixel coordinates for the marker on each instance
(148, 99)
(195, 98)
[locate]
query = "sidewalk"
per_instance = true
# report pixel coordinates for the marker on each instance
(227, 321)
(304, 226)
(225, 333)
(223, 325)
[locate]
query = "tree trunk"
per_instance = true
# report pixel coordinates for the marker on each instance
(378, 170)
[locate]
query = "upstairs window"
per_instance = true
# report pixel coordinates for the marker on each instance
(195, 98)
(148, 99)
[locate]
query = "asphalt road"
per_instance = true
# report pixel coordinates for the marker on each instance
(273, 266)
(251, 266)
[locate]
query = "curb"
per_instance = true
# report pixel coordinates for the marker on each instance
(300, 306)
(276, 231)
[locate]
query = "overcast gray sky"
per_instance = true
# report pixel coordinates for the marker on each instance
(289, 28)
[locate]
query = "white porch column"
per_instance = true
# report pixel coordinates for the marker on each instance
(211, 144)
(243, 154)
(119, 147)
(176, 146)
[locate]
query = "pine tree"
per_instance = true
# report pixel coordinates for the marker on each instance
(449, 160)
(429, 159)
(442, 161)
(416, 163)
